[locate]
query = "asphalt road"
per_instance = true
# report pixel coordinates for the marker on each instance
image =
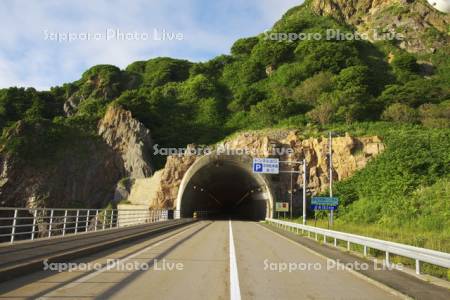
(199, 262)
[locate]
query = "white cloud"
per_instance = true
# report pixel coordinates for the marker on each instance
(209, 29)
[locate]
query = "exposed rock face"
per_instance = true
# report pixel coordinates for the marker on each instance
(88, 181)
(172, 174)
(349, 155)
(85, 172)
(130, 139)
(415, 20)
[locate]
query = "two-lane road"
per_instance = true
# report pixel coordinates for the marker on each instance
(200, 262)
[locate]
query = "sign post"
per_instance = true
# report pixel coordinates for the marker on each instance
(303, 162)
(272, 166)
(331, 175)
(324, 203)
(282, 207)
(304, 191)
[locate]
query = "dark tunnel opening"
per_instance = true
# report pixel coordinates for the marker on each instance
(225, 190)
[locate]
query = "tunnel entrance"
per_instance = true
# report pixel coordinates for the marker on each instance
(225, 187)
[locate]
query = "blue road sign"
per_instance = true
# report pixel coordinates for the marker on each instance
(257, 168)
(266, 165)
(323, 207)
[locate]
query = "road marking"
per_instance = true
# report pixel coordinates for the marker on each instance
(353, 272)
(235, 291)
(110, 266)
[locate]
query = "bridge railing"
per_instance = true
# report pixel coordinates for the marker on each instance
(418, 254)
(37, 223)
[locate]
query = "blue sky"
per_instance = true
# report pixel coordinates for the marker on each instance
(30, 57)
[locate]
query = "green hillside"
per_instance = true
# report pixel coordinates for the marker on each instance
(314, 85)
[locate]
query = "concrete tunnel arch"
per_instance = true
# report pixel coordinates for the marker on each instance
(225, 186)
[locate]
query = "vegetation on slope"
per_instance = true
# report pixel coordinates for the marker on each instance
(312, 84)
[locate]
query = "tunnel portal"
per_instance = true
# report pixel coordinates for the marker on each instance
(225, 187)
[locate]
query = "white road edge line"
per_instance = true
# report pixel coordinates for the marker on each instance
(235, 291)
(108, 267)
(353, 272)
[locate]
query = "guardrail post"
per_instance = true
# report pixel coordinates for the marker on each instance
(96, 219)
(87, 221)
(324, 239)
(365, 250)
(13, 228)
(65, 221)
(387, 258)
(335, 242)
(76, 221)
(104, 220)
(348, 245)
(417, 267)
(34, 224)
(316, 236)
(112, 219)
(51, 223)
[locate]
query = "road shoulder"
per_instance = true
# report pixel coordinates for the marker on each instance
(399, 281)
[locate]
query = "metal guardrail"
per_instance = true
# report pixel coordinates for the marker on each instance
(433, 257)
(37, 223)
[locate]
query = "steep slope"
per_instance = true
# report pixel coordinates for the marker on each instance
(84, 169)
(302, 83)
(423, 29)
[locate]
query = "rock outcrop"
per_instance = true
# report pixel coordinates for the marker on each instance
(129, 138)
(423, 28)
(84, 172)
(73, 179)
(349, 155)
(172, 174)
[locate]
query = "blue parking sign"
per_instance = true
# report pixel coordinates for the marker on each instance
(266, 165)
(257, 168)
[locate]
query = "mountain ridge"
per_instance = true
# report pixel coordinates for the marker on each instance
(304, 84)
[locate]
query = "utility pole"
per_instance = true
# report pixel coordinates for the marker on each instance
(330, 148)
(292, 171)
(292, 192)
(304, 191)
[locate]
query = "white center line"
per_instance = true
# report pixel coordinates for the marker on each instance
(235, 291)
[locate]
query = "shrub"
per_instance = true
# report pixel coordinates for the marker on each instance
(401, 113)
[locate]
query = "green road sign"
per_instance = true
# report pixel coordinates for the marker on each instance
(325, 201)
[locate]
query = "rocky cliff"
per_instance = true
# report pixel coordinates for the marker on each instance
(84, 172)
(423, 28)
(129, 138)
(349, 155)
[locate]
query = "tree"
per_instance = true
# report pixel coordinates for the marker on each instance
(400, 113)
(322, 114)
(330, 56)
(273, 53)
(354, 76)
(435, 115)
(405, 62)
(245, 98)
(161, 70)
(311, 89)
(244, 46)
(414, 93)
